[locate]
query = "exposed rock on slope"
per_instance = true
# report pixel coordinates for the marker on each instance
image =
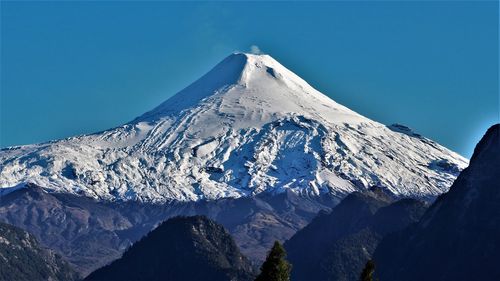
(458, 238)
(22, 258)
(249, 125)
(182, 248)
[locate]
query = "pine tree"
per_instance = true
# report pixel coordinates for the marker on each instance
(368, 271)
(276, 267)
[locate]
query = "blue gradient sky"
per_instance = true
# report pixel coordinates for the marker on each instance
(70, 68)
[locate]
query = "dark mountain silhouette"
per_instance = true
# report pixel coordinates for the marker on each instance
(22, 258)
(337, 245)
(182, 248)
(458, 238)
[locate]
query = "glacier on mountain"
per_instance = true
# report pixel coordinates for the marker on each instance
(248, 126)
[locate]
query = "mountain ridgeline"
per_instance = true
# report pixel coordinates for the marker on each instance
(90, 234)
(182, 248)
(458, 238)
(337, 245)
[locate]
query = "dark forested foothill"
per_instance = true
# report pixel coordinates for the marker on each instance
(22, 258)
(337, 245)
(182, 248)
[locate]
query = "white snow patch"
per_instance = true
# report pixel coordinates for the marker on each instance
(248, 126)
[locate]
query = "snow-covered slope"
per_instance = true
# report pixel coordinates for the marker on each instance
(249, 125)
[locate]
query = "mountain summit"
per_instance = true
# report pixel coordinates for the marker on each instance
(249, 125)
(253, 90)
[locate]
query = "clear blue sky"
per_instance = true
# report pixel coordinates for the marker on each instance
(69, 68)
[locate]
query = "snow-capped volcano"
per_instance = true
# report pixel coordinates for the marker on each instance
(247, 126)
